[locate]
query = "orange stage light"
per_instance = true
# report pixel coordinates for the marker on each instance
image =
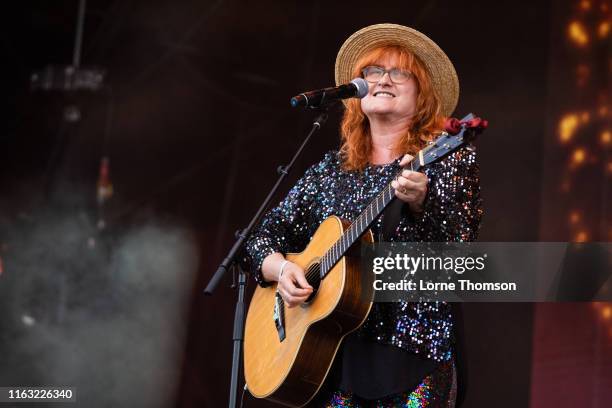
(577, 33)
(585, 5)
(582, 236)
(578, 156)
(603, 29)
(567, 126)
(574, 217)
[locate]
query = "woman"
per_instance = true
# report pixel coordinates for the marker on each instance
(404, 354)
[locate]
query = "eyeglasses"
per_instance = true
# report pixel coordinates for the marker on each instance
(374, 74)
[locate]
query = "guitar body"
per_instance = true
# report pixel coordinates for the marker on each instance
(292, 371)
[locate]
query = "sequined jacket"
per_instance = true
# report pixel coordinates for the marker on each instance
(452, 212)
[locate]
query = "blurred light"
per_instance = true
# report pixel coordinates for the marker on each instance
(603, 29)
(565, 186)
(574, 217)
(582, 236)
(582, 72)
(585, 5)
(105, 186)
(28, 320)
(72, 114)
(604, 6)
(603, 110)
(610, 167)
(567, 126)
(605, 137)
(578, 156)
(585, 116)
(606, 312)
(577, 33)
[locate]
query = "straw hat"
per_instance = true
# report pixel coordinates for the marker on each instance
(440, 68)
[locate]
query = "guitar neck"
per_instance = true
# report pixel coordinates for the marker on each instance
(361, 224)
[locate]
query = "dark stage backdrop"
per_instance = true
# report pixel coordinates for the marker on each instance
(195, 119)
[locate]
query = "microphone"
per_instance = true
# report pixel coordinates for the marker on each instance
(357, 88)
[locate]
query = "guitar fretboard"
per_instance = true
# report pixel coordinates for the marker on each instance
(361, 224)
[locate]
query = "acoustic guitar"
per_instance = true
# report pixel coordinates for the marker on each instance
(289, 351)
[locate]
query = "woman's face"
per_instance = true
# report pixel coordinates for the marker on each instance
(389, 100)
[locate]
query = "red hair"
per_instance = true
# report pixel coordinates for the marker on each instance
(426, 122)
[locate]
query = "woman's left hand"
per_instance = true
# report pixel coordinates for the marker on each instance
(411, 186)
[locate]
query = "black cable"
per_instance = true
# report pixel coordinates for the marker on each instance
(242, 397)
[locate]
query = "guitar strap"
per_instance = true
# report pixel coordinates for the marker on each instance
(391, 219)
(393, 213)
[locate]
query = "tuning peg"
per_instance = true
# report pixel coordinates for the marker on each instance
(476, 123)
(452, 126)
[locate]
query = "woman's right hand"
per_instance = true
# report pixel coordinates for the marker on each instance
(293, 286)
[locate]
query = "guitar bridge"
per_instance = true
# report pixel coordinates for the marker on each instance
(279, 316)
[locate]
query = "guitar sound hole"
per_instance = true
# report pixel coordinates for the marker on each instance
(314, 279)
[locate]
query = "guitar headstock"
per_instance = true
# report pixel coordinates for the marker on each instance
(457, 133)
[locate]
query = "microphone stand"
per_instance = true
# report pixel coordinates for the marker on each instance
(231, 263)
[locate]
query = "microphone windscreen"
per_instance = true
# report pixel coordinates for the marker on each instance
(362, 87)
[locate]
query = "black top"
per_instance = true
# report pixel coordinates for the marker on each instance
(373, 370)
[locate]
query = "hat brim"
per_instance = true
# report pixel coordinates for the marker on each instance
(441, 70)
